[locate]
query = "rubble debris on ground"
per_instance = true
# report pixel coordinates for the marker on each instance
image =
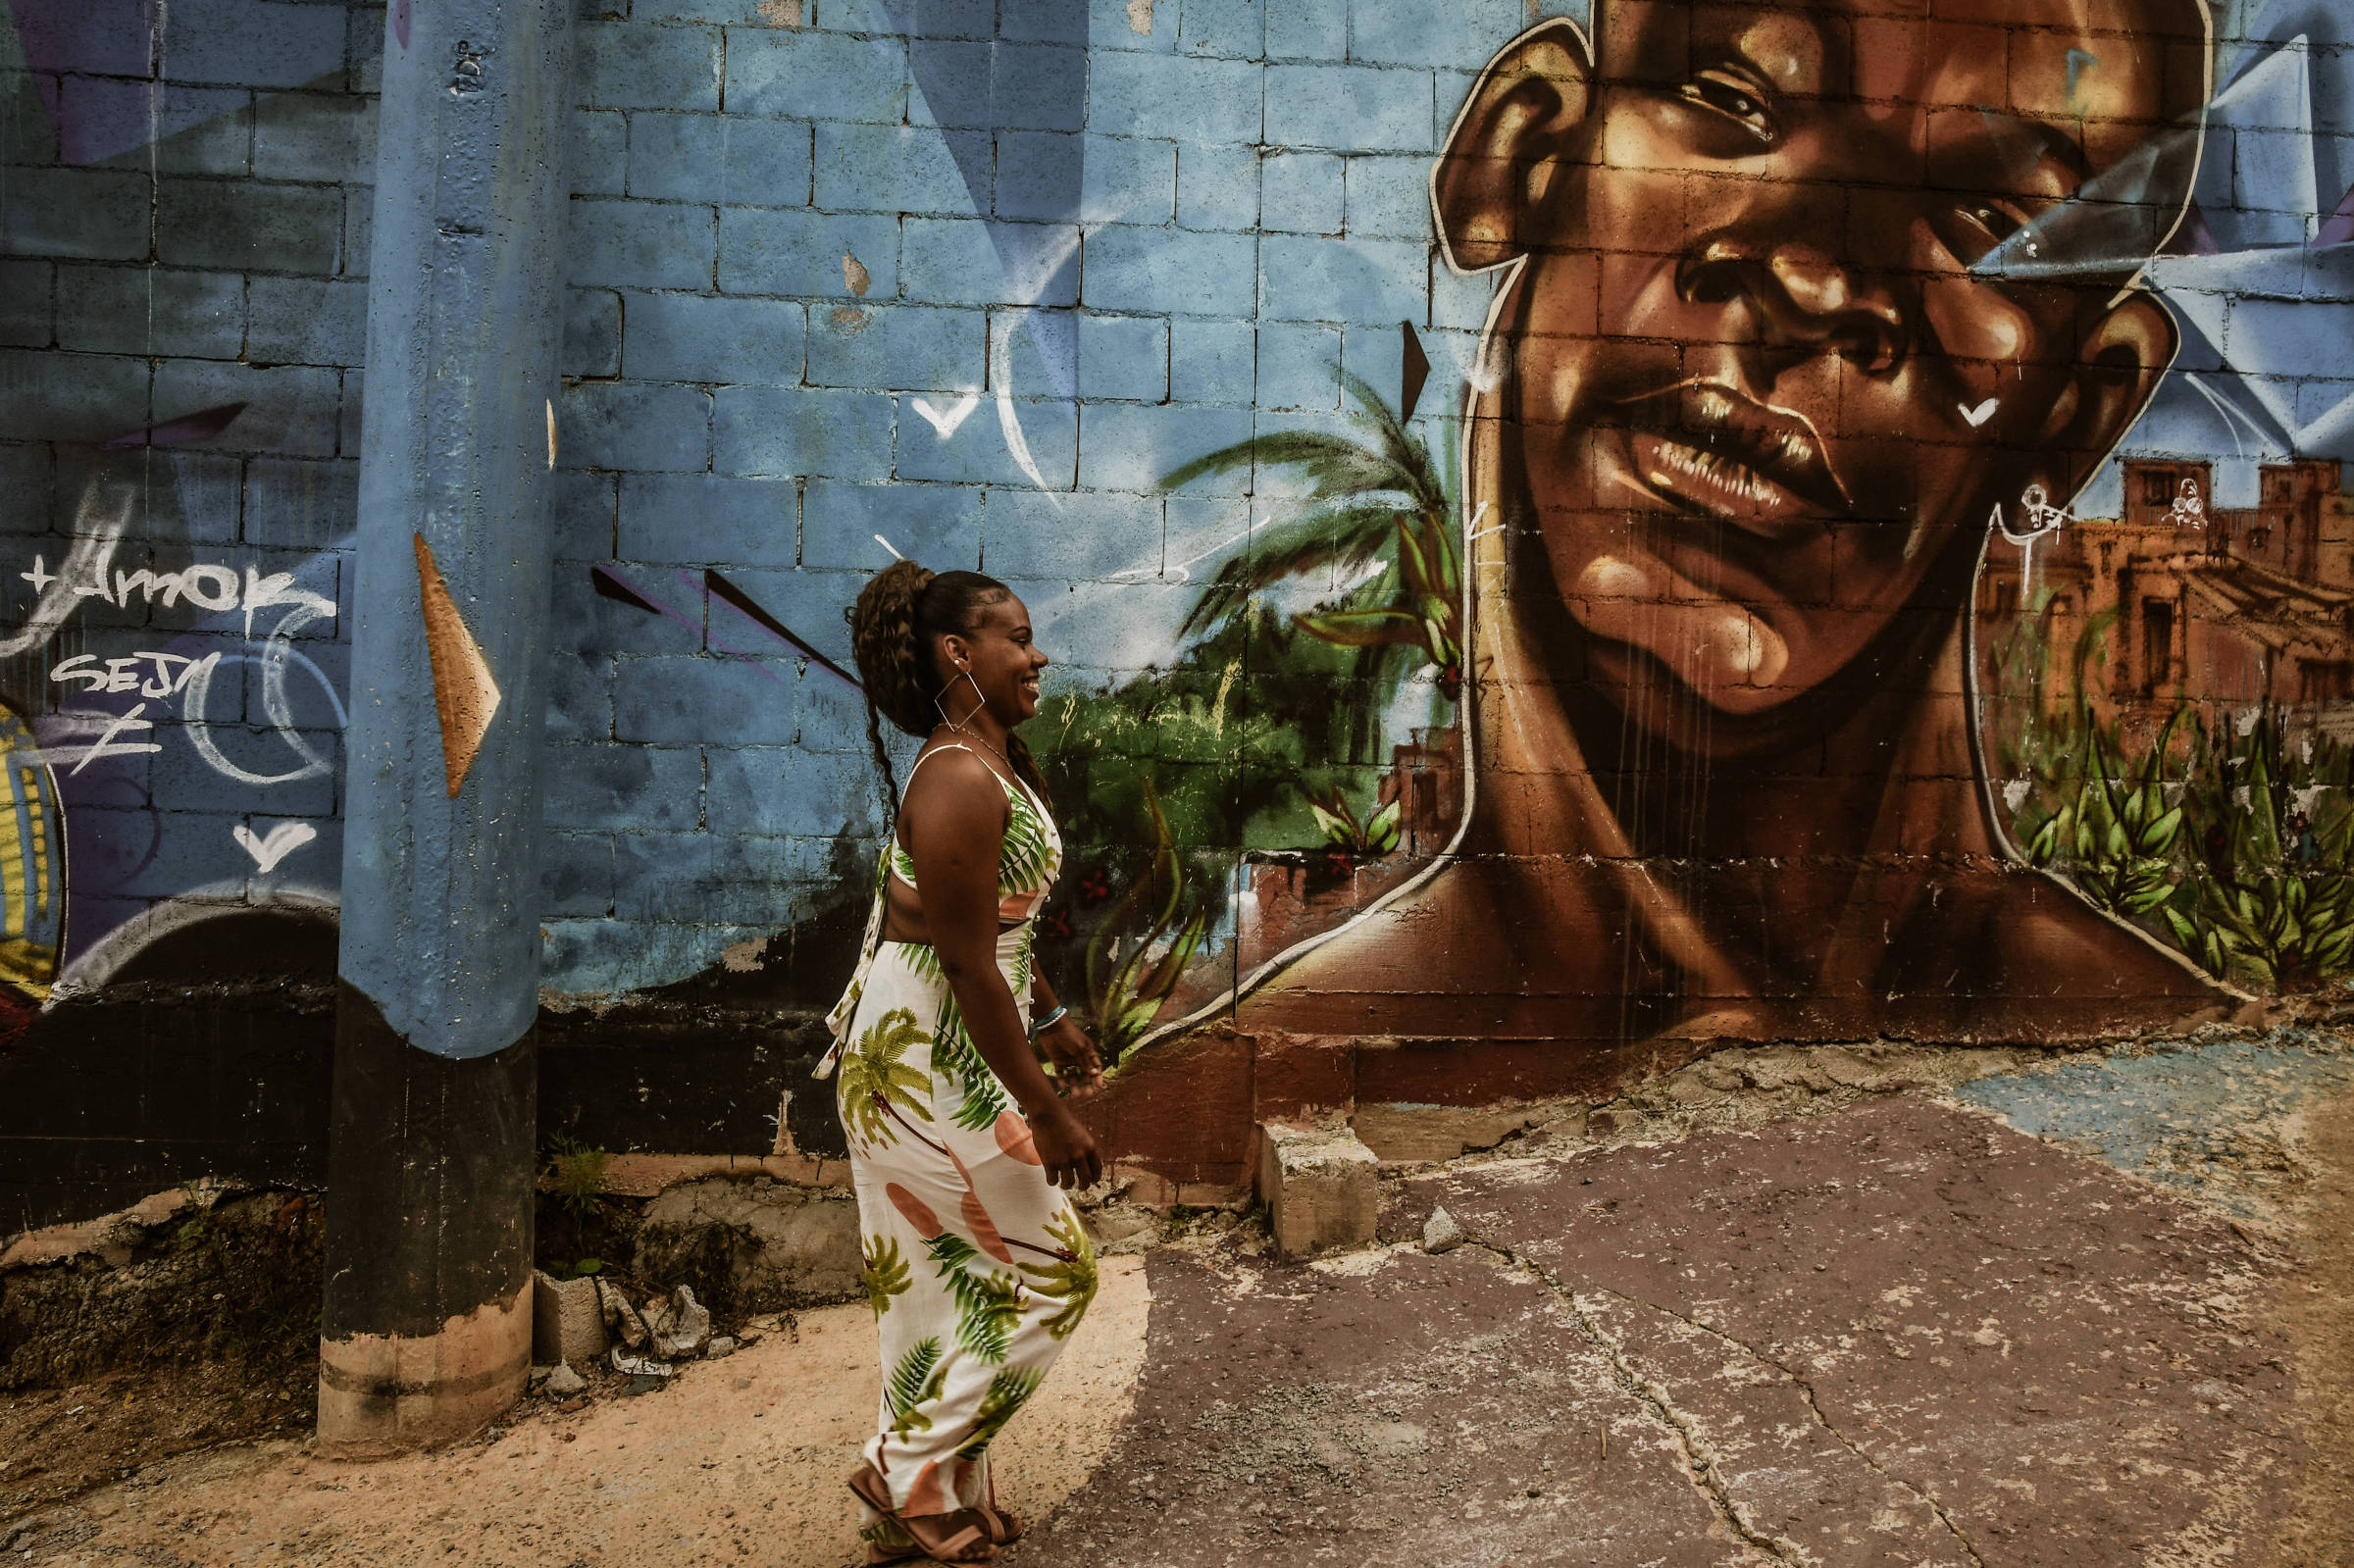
(1441, 1232)
(647, 1339)
(622, 1319)
(680, 1326)
(567, 1319)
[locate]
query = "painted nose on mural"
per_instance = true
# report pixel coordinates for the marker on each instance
(1801, 302)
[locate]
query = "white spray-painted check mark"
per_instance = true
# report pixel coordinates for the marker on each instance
(945, 422)
(1982, 414)
(283, 841)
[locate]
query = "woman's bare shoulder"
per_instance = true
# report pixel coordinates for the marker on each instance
(951, 780)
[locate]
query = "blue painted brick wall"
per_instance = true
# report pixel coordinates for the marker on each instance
(180, 192)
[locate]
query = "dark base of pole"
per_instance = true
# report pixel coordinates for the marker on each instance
(425, 1327)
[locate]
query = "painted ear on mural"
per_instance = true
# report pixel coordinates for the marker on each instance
(1515, 129)
(2124, 346)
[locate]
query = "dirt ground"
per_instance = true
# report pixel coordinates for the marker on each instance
(739, 1460)
(2318, 1311)
(57, 1443)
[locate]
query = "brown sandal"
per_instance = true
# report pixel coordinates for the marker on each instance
(969, 1542)
(1004, 1525)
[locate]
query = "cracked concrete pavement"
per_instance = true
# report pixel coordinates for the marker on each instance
(2090, 1310)
(1903, 1331)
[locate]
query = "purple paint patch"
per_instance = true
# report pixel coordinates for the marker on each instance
(400, 23)
(182, 432)
(2339, 228)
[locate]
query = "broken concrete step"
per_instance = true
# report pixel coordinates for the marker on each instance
(1322, 1188)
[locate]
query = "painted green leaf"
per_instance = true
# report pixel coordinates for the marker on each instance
(885, 1273)
(915, 1381)
(1008, 1391)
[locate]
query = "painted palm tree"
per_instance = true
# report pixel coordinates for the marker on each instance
(1382, 501)
(1127, 979)
(1070, 1279)
(876, 1080)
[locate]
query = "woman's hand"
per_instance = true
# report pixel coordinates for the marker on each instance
(1077, 1072)
(1065, 1148)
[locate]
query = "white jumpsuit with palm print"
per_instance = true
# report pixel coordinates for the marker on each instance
(977, 1267)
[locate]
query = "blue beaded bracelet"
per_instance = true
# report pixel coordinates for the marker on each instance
(1047, 1022)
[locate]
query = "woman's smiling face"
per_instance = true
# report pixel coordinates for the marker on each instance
(1760, 395)
(1003, 659)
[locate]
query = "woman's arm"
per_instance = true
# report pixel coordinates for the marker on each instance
(955, 821)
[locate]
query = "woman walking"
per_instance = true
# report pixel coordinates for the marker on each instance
(976, 1266)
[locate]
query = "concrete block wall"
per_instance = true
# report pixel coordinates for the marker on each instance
(803, 237)
(184, 209)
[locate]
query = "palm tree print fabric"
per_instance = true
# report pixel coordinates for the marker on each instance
(1028, 859)
(977, 1269)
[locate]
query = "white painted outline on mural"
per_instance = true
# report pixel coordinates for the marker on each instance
(1507, 275)
(95, 969)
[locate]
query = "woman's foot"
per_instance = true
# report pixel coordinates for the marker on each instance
(967, 1536)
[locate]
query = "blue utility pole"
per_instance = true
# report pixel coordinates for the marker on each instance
(426, 1333)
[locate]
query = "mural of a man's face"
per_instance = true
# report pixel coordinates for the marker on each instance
(1760, 402)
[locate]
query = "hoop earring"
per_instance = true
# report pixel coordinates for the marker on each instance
(978, 702)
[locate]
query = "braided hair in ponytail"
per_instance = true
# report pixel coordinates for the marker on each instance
(901, 613)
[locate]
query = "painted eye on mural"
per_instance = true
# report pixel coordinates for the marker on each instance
(1734, 95)
(1981, 226)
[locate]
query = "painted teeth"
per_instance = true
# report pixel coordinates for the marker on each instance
(1713, 408)
(1724, 474)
